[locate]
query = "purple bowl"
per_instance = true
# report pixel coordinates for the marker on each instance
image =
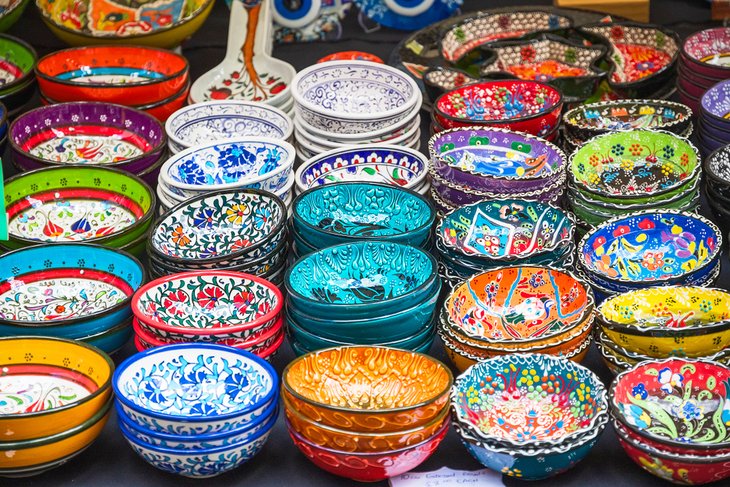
(712, 132)
(715, 103)
(459, 196)
(113, 135)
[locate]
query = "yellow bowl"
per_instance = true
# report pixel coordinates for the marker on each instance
(679, 321)
(56, 384)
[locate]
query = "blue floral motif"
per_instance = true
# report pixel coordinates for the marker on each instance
(639, 390)
(636, 416)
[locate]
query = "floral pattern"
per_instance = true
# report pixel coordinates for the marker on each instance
(86, 149)
(30, 393)
(237, 85)
(628, 115)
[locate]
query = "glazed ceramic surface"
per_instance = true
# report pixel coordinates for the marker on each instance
(407, 14)
(18, 60)
(716, 101)
(351, 56)
(710, 47)
(628, 115)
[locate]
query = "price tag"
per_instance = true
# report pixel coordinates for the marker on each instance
(446, 477)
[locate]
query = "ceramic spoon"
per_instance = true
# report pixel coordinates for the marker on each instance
(247, 72)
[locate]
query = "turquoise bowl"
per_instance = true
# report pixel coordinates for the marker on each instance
(361, 280)
(344, 212)
(110, 340)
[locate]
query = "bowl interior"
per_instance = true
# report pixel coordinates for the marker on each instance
(367, 378)
(17, 60)
(709, 46)
(718, 166)
(519, 303)
(716, 100)
(627, 115)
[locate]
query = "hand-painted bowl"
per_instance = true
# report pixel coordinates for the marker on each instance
(715, 105)
(678, 402)
(226, 119)
(18, 60)
(350, 56)
(361, 279)
(376, 163)
(164, 24)
(650, 247)
(225, 228)
(338, 213)
(232, 387)
(213, 304)
(66, 290)
(87, 133)
(77, 204)
(11, 13)
(707, 52)
(112, 74)
(370, 388)
(640, 166)
(526, 106)
(368, 466)
(55, 385)
(351, 97)
(248, 162)
(109, 341)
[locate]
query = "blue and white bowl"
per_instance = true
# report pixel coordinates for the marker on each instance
(194, 389)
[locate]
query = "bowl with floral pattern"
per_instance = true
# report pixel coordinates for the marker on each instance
(225, 119)
(87, 133)
(707, 52)
(525, 106)
(678, 402)
(639, 166)
(715, 105)
(493, 159)
(77, 204)
(19, 58)
(651, 247)
(247, 162)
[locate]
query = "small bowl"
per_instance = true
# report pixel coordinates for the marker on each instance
(715, 104)
(706, 51)
(20, 58)
(234, 388)
(385, 389)
(350, 56)
(112, 74)
(12, 13)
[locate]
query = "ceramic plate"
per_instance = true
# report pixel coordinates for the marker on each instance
(628, 115)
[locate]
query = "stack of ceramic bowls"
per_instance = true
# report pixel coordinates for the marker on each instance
(702, 64)
(672, 418)
(342, 103)
(584, 122)
(619, 173)
(217, 428)
(532, 309)
(345, 212)
(85, 294)
(235, 164)
(522, 106)
(155, 81)
(662, 322)
(223, 120)
(529, 416)
(716, 169)
(362, 293)
(376, 163)
(57, 398)
(241, 231)
(383, 417)
(486, 235)
(78, 204)
(90, 134)
(650, 248)
(713, 126)
(474, 164)
(18, 87)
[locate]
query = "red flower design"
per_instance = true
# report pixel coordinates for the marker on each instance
(621, 230)
(175, 303)
(264, 308)
(209, 297)
(617, 32)
(598, 242)
(528, 53)
(646, 224)
(243, 300)
(503, 21)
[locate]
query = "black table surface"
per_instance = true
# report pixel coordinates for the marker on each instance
(110, 461)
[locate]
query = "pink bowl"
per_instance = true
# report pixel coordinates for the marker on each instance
(705, 48)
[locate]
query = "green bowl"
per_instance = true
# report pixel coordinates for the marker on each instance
(20, 55)
(78, 204)
(11, 14)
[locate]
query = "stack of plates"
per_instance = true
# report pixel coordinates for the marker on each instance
(702, 63)
(713, 125)
(341, 103)
(18, 59)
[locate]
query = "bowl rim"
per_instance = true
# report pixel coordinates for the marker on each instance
(118, 253)
(211, 349)
(570, 123)
(683, 49)
(288, 389)
(27, 77)
(405, 108)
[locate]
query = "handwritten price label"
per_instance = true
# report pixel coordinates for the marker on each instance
(446, 477)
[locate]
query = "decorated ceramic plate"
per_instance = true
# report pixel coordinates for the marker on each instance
(628, 115)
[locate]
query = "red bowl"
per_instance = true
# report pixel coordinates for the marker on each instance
(368, 467)
(685, 70)
(690, 88)
(351, 56)
(61, 74)
(681, 450)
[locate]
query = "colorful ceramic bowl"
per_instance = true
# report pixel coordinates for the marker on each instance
(351, 56)
(19, 59)
(715, 106)
(707, 52)
(371, 389)
(11, 13)
(112, 74)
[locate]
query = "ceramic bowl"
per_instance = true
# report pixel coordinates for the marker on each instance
(249, 162)
(109, 341)
(214, 304)
(10, 14)
(526, 106)
(77, 204)
(404, 134)
(112, 74)
(66, 384)
(440, 79)
(716, 168)
(497, 160)
(650, 247)
(20, 59)
(640, 166)
(66, 290)
(343, 212)
(87, 133)
(228, 119)
(351, 56)
(361, 279)
(235, 387)
(693, 391)
(224, 227)
(374, 389)
(394, 165)
(715, 104)
(165, 25)
(353, 96)
(706, 52)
